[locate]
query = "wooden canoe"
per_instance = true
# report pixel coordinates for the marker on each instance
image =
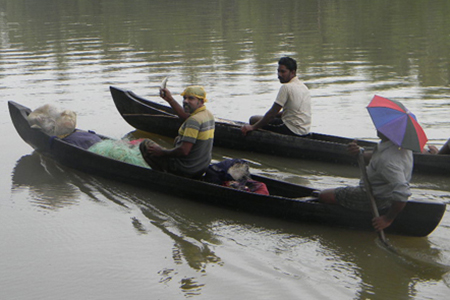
(287, 201)
(152, 117)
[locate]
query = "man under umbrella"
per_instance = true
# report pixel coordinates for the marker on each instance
(390, 165)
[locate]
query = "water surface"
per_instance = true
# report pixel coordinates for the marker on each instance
(66, 234)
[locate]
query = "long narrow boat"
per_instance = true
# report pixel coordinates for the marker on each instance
(287, 201)
(150, 116)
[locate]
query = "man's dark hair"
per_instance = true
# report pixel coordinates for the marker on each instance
(289, 63)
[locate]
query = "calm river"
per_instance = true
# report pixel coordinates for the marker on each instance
(68, 235)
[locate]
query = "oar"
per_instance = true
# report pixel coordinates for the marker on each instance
(168, 116)
(150, 115)
(373, 205)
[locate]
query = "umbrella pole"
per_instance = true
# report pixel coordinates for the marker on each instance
(362, 167)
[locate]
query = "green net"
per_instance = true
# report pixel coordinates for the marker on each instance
(120, 150)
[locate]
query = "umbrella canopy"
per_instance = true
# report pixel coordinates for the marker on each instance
(397, 123)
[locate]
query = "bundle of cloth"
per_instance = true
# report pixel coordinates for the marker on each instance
(234, 173)
(52, 120)
(62, 124)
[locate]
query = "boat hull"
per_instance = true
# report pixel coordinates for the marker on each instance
(287, 201)
(152, 117)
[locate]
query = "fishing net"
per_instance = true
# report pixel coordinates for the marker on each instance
(121, 150)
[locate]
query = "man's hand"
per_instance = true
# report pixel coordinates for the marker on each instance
(381, 222)
(431, 150)
(384, 221)
(353, 148)
(166, 95)
(155, 150)
(246, 129)
(179, 110)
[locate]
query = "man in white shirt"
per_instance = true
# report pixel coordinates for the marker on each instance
(291, 111)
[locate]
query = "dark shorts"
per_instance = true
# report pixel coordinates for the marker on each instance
(278, 126)
(163, 164)
(355, 197)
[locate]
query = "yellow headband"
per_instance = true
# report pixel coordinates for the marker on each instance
(196, 91)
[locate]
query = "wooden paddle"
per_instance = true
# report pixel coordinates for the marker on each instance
(169, 116)
(149, 115)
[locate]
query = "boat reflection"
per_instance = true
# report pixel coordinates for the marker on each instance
(47, 184)
(197, 229)
(53, 186)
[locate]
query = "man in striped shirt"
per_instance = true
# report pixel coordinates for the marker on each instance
(191, 154)
(291, 112)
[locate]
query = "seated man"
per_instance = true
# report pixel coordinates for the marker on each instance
(291, 112)
(389, 173)
(191, 154)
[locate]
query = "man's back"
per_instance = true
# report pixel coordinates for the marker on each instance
(295, 99)
(390, 171)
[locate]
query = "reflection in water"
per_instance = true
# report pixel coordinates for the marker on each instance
(191, 241)
(419, 261)
(47, 191)
(196, 229)
(232, 31)
(349, 256)
(53, 186)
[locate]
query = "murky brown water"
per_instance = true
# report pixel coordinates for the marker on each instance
(66, 234)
